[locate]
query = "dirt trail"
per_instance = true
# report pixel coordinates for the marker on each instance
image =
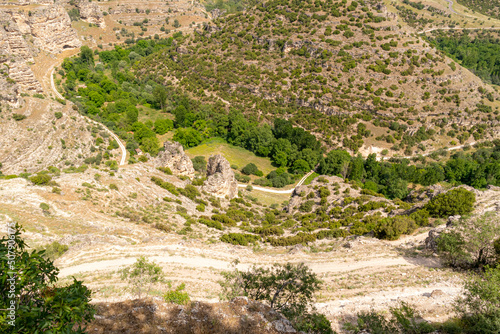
(288, 191)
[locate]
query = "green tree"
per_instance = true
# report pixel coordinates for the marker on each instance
(87, 56)
(469, 243)
(300, 166)
(188, 137)
(163, 126)
(160, 96)
(150, 145)
(458, 201)
(251, 169)
(479, 308)
(142, 275)
(288, 288)
(28, 288)
(199, 164)
(335, 163)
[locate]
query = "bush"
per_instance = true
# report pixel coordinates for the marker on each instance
(113, 186)
(41, 179)
(306, 206)
(470, 242)
(165, 170)
(58, 114)
(403, 319)
(239, 238)
(457, 201)
(392, 228)
(241, 178)
(165, 185)
(45, 207)
(177, 296)
(299, 238)
(211, 223)
(142, 275)
(189, 191)
(41, 306)
(55, 250)
(251, 169)
(199, 164)
(480, 307)
(224, 220)
(18, 117)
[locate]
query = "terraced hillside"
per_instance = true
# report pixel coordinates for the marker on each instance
(335, 69)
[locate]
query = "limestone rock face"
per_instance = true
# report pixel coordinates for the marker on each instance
(14, 56)
(220, 178)
(90, 12)
(174, 158)
(50, 27)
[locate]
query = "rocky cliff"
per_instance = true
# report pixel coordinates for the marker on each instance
(50, 27)
(15, 55)
(173, 157)
(220, 178)
(22, 35)
(90, 12)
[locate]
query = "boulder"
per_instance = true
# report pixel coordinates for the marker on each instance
(220, 178)
(173, 157)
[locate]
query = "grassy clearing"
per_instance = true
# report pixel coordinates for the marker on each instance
(235, 155)
(267, 198)
(152, 114)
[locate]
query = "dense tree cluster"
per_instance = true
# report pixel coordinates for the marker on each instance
(479, 51)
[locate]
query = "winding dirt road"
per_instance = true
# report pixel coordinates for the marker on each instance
(288, 191)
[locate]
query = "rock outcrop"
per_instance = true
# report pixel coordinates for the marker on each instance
(15, 55)
(220, 178)
(50, 27)
(90, 12)
(174, 158)
(240, 315)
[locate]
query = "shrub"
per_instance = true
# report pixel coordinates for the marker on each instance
(299, 238)
(224, 220)
(177, 296)
(480, 307)
(41, 179)
(41, 305)
(403, 319)
(45, 207)
(306, 206)
(239, 238)
(165, 185)
(199, 164)
(113, 186)
(18, 117)
(457, 201)
(58, 114)
(142, 275)
(165, 170)
(392, 228)
(211, 223)
(470, 242)
(241, 178)
(55, 250)
(251, 169)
